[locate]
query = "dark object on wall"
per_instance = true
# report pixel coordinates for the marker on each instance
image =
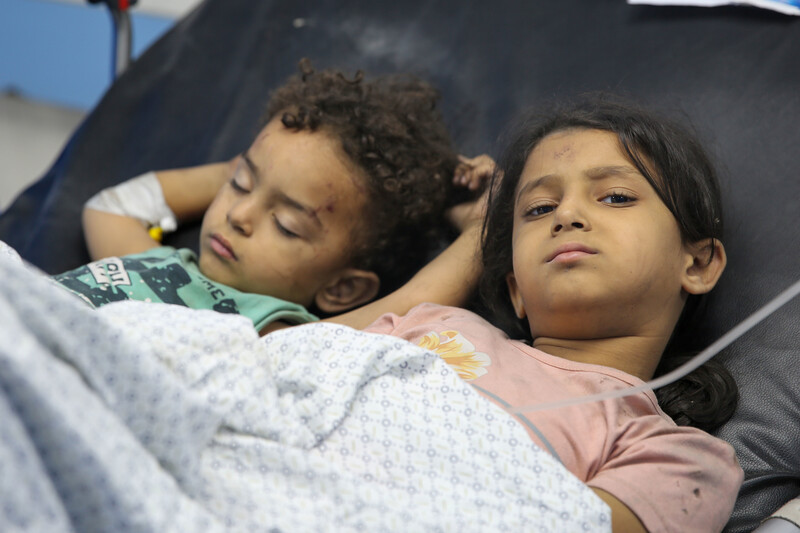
(197, 95)
(121, 20)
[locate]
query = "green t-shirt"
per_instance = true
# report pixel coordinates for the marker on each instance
(172, 276)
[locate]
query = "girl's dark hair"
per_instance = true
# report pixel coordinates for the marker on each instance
(391, 127)
(678, 168)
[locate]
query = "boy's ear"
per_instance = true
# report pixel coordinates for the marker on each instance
(350, 289)
(514, 294)
(705, 261)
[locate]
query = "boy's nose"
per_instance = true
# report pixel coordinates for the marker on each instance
(240, 217)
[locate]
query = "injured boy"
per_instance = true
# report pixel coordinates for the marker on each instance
(331, 206)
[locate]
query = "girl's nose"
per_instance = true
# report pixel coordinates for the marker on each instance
(569, 215)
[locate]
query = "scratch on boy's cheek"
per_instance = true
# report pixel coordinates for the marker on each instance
(283, 274)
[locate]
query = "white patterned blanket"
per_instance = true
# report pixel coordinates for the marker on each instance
(148, 417)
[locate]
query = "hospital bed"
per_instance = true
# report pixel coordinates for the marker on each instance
(734, 72)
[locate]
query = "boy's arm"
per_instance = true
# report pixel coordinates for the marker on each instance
(187, 192)
(452, 276)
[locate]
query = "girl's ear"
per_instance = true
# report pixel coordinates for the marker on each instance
(350, 289)
(516, 297)
(705, 262)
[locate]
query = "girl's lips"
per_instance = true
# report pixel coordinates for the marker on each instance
(567, 257)
(222, 247)
(569, 252)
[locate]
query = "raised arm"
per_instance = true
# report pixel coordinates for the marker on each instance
(118, 222)
(447, 280)
(452, 276)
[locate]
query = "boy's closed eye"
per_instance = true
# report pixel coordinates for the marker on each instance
(237, 186)
(284, 230)
(241, 181)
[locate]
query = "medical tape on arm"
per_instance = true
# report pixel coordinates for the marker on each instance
(141, 198)
(740, 329)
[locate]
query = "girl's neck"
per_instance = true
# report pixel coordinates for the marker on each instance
(638, 356)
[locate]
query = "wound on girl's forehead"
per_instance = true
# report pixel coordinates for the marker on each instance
(564, 151)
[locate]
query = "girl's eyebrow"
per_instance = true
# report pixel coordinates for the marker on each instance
(531, 185)
(594, 173)
(282, 196)
(613, 170)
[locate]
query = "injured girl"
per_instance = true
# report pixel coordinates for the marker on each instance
(600, 235)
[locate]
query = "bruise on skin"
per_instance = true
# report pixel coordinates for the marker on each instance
(565, 151)
(330, 204)
(330, 201)
(262, 135)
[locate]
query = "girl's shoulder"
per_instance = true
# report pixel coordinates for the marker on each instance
(429, 316)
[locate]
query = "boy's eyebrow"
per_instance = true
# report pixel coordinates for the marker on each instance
(283, 197)
(594, 173)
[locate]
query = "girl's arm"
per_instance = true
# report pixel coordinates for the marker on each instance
(187, 192)
(622, 518)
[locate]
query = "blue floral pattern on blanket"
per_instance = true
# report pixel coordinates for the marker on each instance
(151, 417)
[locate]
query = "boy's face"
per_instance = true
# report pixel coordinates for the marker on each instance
(596, 252)
(285, 222)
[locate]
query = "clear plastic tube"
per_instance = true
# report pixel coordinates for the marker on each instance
(739, 330)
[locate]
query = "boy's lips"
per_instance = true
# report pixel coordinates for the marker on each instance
(221, 246)
(569, 252)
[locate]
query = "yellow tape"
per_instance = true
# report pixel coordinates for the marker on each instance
(156, 233)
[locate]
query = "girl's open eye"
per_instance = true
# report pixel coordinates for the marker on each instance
(284, 230)
(539, 210)
(617, 198)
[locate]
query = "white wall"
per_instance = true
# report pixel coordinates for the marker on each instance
(164, 8)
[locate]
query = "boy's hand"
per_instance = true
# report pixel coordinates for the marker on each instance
(474, 174)
(453, 275)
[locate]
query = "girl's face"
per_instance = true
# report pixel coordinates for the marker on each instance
(596, 253)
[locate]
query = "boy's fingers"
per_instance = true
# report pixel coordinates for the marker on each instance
(459, 176)
(473, 172)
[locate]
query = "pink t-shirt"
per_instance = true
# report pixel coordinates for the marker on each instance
(673, 478)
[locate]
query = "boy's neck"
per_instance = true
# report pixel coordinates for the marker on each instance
(638, 356)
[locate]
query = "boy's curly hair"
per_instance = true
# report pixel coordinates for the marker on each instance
(391, 127)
